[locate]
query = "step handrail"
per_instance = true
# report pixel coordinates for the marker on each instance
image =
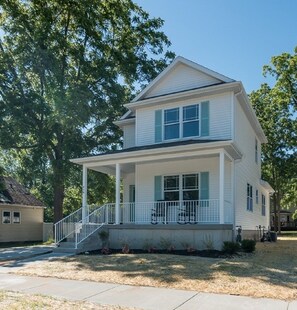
(91, 223)
(66, 226)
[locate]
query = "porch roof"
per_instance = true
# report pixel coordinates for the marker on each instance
(159, 152)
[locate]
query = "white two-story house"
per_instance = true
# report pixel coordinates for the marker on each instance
(190, 167)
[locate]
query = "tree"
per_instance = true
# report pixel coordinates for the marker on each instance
(66, 68)
(276, 108)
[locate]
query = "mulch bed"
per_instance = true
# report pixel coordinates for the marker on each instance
(201, 253)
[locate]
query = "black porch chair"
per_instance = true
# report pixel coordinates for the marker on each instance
(158, 213)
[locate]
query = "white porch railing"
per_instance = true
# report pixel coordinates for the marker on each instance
(160, 212)
(169, 212)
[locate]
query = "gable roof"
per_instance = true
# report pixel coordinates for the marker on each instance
(17, 194)
(201, 76)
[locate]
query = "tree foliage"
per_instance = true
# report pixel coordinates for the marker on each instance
(66, 68)
(276, 108)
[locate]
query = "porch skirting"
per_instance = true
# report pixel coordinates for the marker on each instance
(179, 236)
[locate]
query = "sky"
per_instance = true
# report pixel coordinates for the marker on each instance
(233, 37)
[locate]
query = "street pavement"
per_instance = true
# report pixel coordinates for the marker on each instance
(138, 297)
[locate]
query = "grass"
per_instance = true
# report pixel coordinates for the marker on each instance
(20, 301)
(269, 272)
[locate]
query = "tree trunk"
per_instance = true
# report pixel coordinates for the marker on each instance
(58, 199)
(58, 184)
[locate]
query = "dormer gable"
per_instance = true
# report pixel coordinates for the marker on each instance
(181, 75)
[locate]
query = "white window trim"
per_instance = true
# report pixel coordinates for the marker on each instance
(180, 183)
(3, 216)
(13, 222)
(181, 122)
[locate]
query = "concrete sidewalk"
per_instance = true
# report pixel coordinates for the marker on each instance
(24, 252)
(136, 296)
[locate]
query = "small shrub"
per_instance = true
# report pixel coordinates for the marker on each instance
(104, 235)
(126, 249)
(187, 247)
(49, 241)
(230, 247)
(166, 244)
(148, 246)
(248, 245)
(105, 251)
(208, 242)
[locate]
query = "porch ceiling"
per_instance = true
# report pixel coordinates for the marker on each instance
(105, 163)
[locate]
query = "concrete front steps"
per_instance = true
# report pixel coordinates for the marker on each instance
(91, 243)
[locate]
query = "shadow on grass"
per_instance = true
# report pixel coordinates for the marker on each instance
(274, 263)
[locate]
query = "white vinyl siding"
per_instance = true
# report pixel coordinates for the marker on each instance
(182, 77)
(128, 180)
(145, 173)
(246, 171)
(219, 118)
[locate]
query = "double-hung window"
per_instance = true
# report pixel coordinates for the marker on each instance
(171, 124)
(6, 217)
(181, 122)
(185, 187)
(16, 218)
(191, 121)
(171, 188)
(249, 197)
(263, 205)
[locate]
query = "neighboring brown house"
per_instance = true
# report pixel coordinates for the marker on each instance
(21, 213)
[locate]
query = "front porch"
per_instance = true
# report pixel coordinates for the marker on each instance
(205, 211)
(175, 185)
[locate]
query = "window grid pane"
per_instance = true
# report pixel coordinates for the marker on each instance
(190, 187)
(191, 121)
(171, 116)
(190, 112)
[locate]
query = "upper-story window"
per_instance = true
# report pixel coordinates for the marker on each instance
(173, 129)
(182, 122)
(171, 124)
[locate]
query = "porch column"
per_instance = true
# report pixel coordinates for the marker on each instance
(85, 193)
(118, 197)
(221, 187)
